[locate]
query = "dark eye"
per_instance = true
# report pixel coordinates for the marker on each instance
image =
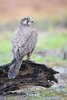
(27, 19)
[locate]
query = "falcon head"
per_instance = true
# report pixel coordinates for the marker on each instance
(26, 20)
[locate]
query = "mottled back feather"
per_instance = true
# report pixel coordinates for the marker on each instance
(24, 40)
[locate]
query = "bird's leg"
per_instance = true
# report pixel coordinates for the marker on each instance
(28, 55)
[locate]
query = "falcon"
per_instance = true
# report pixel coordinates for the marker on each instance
(23, 43)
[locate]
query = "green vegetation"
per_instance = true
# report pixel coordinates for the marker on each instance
(52, 40)
(41, 94)
(48, 94)
(10, 98)
(5, 48)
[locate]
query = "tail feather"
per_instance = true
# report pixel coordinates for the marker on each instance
(14, 69)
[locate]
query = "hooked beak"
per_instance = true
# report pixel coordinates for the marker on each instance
(31, 20)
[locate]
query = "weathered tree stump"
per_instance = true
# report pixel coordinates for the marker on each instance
(30, 73)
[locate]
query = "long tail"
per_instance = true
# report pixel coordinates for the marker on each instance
(14, 68)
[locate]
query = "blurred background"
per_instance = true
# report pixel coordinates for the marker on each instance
(50, 20)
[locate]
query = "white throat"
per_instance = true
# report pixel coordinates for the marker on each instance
(29, 23)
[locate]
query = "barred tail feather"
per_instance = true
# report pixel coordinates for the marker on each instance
(14, 69)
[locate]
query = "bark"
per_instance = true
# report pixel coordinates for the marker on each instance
(30, 73)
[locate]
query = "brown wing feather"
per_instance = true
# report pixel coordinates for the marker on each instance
(24, 40)
(30, 43)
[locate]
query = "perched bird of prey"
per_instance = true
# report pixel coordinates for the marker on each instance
(23, 43)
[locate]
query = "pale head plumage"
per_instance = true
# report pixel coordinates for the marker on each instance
(26, 20)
